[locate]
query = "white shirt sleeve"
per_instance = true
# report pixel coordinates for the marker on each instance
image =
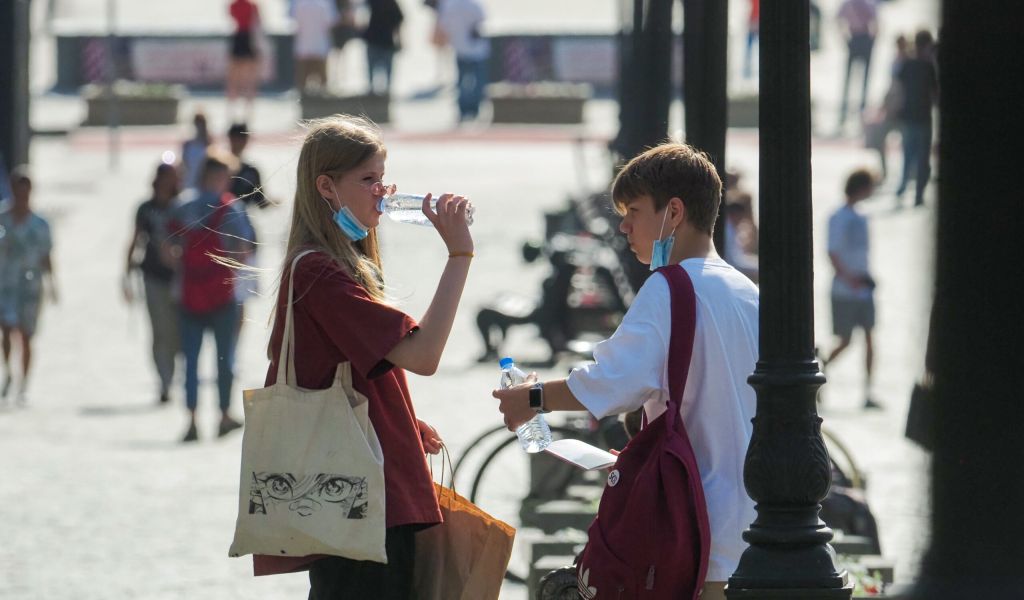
(630, 366)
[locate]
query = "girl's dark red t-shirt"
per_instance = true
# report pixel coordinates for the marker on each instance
(336, 321)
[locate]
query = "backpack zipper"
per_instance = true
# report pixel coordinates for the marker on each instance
(650, 578)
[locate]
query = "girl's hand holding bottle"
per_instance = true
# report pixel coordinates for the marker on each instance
(451, 223)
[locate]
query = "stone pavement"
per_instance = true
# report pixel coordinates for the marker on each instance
(100, 500)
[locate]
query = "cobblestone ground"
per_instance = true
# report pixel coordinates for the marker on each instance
(100, 500)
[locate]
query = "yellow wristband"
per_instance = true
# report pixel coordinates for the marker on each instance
(466, 254)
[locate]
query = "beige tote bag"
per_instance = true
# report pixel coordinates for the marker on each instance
(312, 478)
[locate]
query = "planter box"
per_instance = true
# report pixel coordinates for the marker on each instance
(538, 103)
(136, 105)
(374, 108)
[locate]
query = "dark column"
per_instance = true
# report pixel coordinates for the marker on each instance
(645, 85)
(14, 37)
(705, 70)
(787, 470)
(977, 490)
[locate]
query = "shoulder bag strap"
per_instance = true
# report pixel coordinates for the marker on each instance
(287, 353)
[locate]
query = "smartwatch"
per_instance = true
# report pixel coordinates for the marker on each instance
(537, 397)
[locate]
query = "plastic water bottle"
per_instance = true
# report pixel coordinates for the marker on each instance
(534, 435)
(408, 208)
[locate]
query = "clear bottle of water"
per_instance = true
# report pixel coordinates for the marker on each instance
(534, 435)
(408, 208)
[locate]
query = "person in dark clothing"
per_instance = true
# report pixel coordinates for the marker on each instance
(246, 184)
(157, 277)
(382, 43)
(919, 81)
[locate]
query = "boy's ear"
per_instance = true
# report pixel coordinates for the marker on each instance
(677, 211)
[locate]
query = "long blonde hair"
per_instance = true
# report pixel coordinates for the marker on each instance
(334, 146)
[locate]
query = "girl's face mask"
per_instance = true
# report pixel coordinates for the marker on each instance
(662, 249)
(350, 226)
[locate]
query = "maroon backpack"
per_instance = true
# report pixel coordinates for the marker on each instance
(206, 284)
(651, 537)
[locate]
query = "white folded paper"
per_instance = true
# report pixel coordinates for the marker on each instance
(581, 454)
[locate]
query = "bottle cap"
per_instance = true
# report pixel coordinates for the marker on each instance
(506, 362)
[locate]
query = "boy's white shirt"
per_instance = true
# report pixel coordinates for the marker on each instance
(718, 404)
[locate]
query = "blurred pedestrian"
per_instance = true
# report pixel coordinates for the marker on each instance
(883, 120)
(753, 34)
(462, 23)
(919, 83)
(193, 152)
(246, 182)
(26, 272)
(208, 224)
(341, 315)
(149, 235)
(853, 287)
(314, 22)
(382, 42)
(244, 62)
(741, 240)
(247, 187)
(342, 33)
(858, 21)
(442, 75)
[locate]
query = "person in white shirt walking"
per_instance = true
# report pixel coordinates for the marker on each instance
(314, 20)
(853, 302)
(461, 21)
(669, 198)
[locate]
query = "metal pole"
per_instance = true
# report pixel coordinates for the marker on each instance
(645, 79)
(705, 70)
(977, 493)
(113, 125)
(787, 470)
(14, 89)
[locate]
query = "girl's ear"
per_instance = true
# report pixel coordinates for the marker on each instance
(326, 188)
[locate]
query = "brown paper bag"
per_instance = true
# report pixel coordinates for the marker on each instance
(465, 557)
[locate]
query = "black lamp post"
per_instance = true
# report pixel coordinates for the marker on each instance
(787, 470)
(977, 492)
(14, 97)
(705, 73)
(645, 83)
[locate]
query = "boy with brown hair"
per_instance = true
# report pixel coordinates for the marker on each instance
(669, 198)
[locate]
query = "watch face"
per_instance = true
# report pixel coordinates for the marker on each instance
(536, 399)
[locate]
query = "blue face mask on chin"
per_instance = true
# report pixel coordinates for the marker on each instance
(350, 226)
(662, 249)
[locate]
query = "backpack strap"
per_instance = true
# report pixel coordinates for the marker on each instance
(684, 328)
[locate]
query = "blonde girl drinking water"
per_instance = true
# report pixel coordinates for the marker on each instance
(341, 314)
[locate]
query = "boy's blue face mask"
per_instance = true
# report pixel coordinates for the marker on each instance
(662, 249)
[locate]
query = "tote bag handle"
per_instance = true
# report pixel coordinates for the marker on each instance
(286, 374)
